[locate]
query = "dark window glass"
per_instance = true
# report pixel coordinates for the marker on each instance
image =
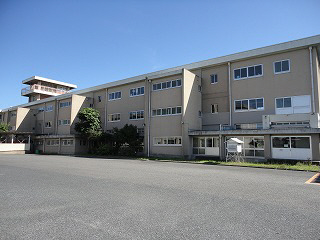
(154, 87)
(174, 110)
(253, 104)
(243, 72)
(164, 85)
(258, 70)
(244, 104)
(178, 83)
(238, 105)
(142, 90)
(281, 142)
(259, 103)
(279, 102)
(287, 102)
(209, 142)
(285, 65)
(169, 84)
(277, 67)
(158, 112)
(300, 142)
(158, 86)
(174, 83)
(99, 98)
(214, 78)
(164, 111)
(237, 74)
(178, 110)
(250, 71)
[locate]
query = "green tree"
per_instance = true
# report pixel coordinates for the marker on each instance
(4, 127)
(89, 125)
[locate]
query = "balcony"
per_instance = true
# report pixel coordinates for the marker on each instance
(36, 88)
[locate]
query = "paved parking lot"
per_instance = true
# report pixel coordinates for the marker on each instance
(61, 197)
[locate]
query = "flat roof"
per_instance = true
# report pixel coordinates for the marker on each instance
(263, 51)
(37, 78)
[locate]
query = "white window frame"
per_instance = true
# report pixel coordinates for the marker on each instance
(291, 136)
(274, 66)
(136, 90)
(248, 99)
(49, 123)
(241, 78)
(275, 102)
(111, 114)
(136, 112)
(164, 115)
(49, 108)
(167, 87)
(216, 108)
(60, 122)
(64, 104)
(215, 78)
(67, 142)
(55, 141)
(167, 145)
(114, 99)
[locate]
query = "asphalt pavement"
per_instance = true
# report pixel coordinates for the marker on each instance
(65, 197)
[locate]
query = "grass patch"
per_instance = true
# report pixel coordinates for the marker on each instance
(299, 166)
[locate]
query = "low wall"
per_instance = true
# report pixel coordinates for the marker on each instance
(9, 147)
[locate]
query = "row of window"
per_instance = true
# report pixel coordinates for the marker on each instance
(56, 142)
(167, 141)
(64, 104)
(249, 104)
(136, 115)
(166, 111)
(139, 91)
(282, 66)
(166, 85)
(64, 122)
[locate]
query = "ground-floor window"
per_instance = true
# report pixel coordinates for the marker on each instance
(253, 145)
(201, 143)
(167, 141)
(67, 142)
(53, 142)
(291, 142)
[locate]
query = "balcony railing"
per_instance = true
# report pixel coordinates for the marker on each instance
(43, 88)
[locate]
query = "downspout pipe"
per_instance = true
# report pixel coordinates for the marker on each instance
(149, 113)
(230, 96)
(312, 80)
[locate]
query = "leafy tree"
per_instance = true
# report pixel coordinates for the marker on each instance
(89, 125)
(126, 140)
(4, 127)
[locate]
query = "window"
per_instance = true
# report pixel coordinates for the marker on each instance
(114, 96)
(249, 126)
(294, 104)
(40, 109)
(283, 102)
(53, 142)
(248, 72)
(199, 114)
(13, 114)
(49, 108)
(253, 146)
(167, 141)
(282, 66)
(136, 91)
(249, 104)
(166, 111)
(200, 144)
(135, 115)
(166, 85)
(67, 142)
(64, 122)
(48, 124)
(115, 117)
(291, 142)
(214, 78)
(64, 104)
(214, 108)
(99, 99)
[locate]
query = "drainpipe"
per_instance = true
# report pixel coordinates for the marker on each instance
(312, 81)
(105, 110)
(149, 113)
(230, 97)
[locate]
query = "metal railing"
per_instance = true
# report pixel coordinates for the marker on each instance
(43, 88)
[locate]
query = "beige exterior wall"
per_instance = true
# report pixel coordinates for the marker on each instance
(270, 86)
(166, 126)
(125, 105)
(25, 120)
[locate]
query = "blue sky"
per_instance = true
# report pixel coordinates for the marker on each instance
(94, 41)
